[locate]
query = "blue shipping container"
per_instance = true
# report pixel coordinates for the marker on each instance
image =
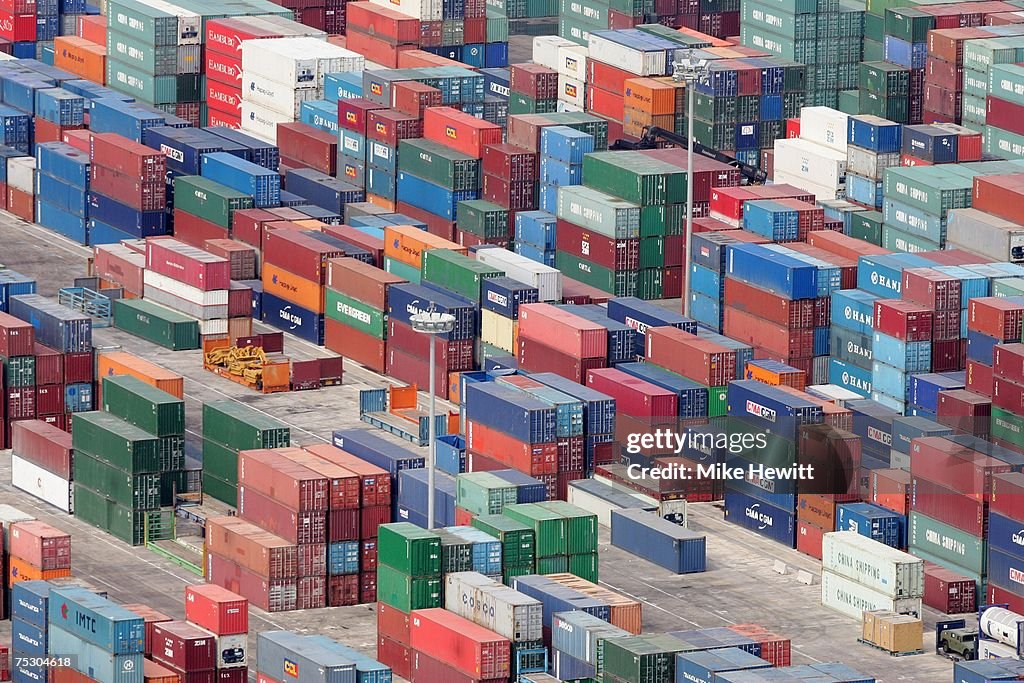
(774, 271)
(872, 521)
(405, 301)
(771, 408)
(702, 667)
(55, 326)
(289, 317)
(760, 517)
(640, 315)
(503, 295)
(262, 184)
(657, 540)
(598, 408)
(29, 601)
(96, 620)
(366, 445)
(95, 661)
(323, 190)
(511, 412)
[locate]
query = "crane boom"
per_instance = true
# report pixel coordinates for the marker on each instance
(752, 174)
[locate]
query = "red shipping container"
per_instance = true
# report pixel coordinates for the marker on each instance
(452, 356)
(21, 403)
(383, 22)
(533, 80)
(254, 548)
(688, 355)
(216, 609)
(607, 77)
(844, 245)
(533, 459)
(426, 669)
(275, 595)
(188, 264)
(368, 587)
(954, 466)
(361, 281)
(979, 378)
(996, 317)
(312, 592)
(17, 337)
(130, 158)
(17, 27)
(343, 484)
(904, 320)
(279, 519)
(343, 525)
(21, 204)
(931, 288)
(226, 35)
(395, 655)
(50, 399)
(358, 346)
(965, 411)
(601, 249)
(272, 473)
(353, 113)
(949, 592)
(948, 506)
(537, 356)
(576, 292)
(809, 539)
(236, 675)
(374, 245)
(576, 336)
(63, 674)
(634, 396)
(392, 623)
(436, 225)
(794, 314)
(762, 334)
(949, 355)
(511, 163)
(44, 445)
(117, 263)
(195, 231)
(368, 554)
(299, 253)
(41, 545)
(412, 97)
(78, 367)
(462, 132)
(1003, 114)
(247, 225)
(147, 196)
(1000, 195)
(414, 369)
(1008, 495)
(311, 146)
(890, 488)
(219, 118)
(224, 68)
(375, 483)
(514, 196)
(606, 103)
(996, 595)
(184, 647)
(343, 590)
(1008, 362)
(470, 648)
(226, 97)
(387, 126)
(373, 516)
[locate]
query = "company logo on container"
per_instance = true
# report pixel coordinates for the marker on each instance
(289, 317)
(851, 381)
(758, 410)
(499, 299)
(350, 117)
(381, 128)
(1017, 576)
(763, 520)
(223, 39)
(570, 90)
(291, 668)
(377, 88)
(876, 434)
(450, 132)
(350, 171)
(1018, 537)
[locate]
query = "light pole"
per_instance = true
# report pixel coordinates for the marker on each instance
(432, 323)
(691, 70)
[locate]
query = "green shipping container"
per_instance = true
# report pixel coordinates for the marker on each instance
(867, 226)
(575, 30)
(483, 219)
(908, 24)
(151, 25)
(456, 553)
(1006, 425)
(138, 491)
(510, 572)
(980, 55)
(518, 541)
(558, 564)
(237, 426)
(409, 549)
(634, 177)
(874, 50)
(157, 60)
(641, 659)
(584, 566)
(896, 108)
(619, 283)
(1011, 286)
(402, 270)
(595, 210)
(18, 371)
(134, 81)
(765, 17)
(660, 220)
(117, 520)
(157, 324)
(874, 28)
(897, 240)
(176, 482)
(849, 102)
(438, 164)
(1006, 82)
(456, 272)
(580, 527)
(947, 543)
(405, 593)
(976, 85)
(886, 79)
(482, 493)
(497, 29)
(714, 109)
(355, 314)
(1003, 143)
(144, 406)
(172, 452)
(652, 252)
(209, 200)
(718, 401)
(114, 441)
(650, 283)
(931, 188)
(219, 489)
(520, 103)
(549, 527)
(220, 461)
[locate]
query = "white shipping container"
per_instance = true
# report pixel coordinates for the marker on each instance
(232, 651)
(299, 62)
(990, 649)
(545, 50)
(154, 280)
(632, 59)
(826, 126)
(853, 599)
(572, 61)
(590, 497)
(21, 174)
(820, 192)
(497, 330)
(277, 96)
(424, 10)
(985, 234)
(572, 91)
(219, 326)
(44, 485)
(175, 303)
(190, 24)
(262, 122)
(546, 279)
(864, 162)
(873, 564)
(833, 392)
(561, 106)
(810, 162)
(494, 606)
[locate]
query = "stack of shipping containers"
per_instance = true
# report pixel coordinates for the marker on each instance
(229, 427)
(41, 462)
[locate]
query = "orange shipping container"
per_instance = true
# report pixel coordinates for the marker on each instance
(65, 674)
(406, 244)
(93, 27)
(123, 363)
(653, 96)
(382, 202)
(21, 570)
(154, 673)
(420, 59)
(292, 288)
(81, 57)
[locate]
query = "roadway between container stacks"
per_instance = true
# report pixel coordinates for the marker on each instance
(740, 586)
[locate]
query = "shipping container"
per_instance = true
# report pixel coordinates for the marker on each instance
(658, 540)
